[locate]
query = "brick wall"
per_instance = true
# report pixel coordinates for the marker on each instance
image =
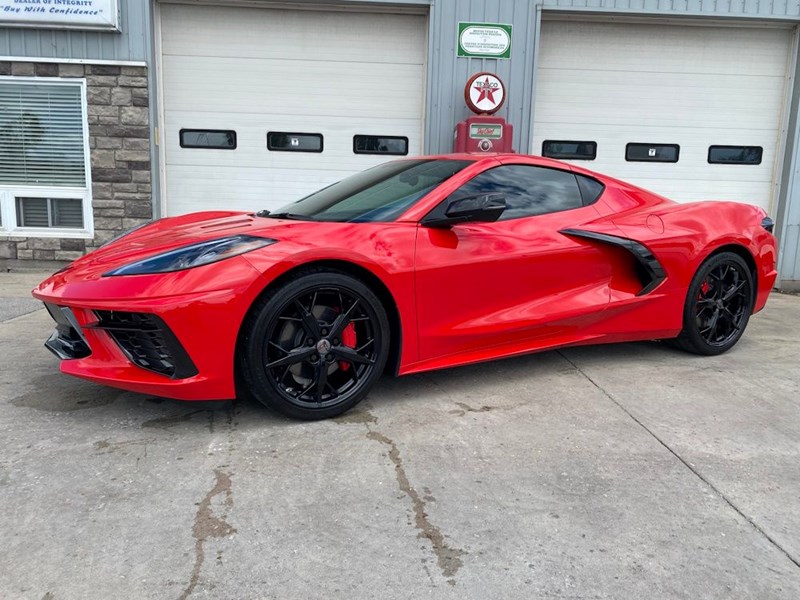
(119, 142)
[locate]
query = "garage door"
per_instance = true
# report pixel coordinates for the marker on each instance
(671, 92)
(311, 79)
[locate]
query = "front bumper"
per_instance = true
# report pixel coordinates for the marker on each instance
(123, 332)
(67, 341)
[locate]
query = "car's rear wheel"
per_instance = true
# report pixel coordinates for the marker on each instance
(313, 347)
(718, 305)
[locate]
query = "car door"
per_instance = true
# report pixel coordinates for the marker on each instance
(507, 283)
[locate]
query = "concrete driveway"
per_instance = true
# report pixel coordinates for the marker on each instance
(628, 471)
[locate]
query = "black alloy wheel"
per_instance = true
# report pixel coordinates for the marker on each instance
(314, 347)
(718, 305)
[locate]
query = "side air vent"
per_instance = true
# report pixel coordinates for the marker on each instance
(649, 270)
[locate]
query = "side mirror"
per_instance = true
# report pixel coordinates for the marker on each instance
(484, 208)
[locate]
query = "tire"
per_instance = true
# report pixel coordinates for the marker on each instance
(313, 347)
(718, 305)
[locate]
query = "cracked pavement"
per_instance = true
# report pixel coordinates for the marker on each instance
(625, 471)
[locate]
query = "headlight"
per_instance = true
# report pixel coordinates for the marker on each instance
(195, 255)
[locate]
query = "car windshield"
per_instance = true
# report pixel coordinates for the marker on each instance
(378, 194)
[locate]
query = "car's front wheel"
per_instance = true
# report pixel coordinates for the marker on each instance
(718, 305)
(314, 346)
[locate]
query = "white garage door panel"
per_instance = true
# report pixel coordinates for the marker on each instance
(693, 149)
(659, 49)
(691, 86)
(666, 100)
(249, 174)
(254, 70)
(337, 143)
(274, 86)
(255, 189)
(298, 35)
(749, 192)
(251, 140)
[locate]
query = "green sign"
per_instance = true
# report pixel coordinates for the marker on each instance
(484, 40)
(488, 131)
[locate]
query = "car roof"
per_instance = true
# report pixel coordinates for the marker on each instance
(510, 157)
(474, 156)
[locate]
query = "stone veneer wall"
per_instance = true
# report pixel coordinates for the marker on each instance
(119, 142)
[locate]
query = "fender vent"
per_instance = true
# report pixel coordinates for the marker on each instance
(650, 272)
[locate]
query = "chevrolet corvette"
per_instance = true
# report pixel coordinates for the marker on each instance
(416, 264)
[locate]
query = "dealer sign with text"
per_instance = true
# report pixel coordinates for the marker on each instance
(58, 14)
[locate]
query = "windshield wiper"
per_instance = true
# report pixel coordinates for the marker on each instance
(284, 215)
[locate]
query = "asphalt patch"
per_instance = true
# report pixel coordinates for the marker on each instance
(58, 393)
(11, 308)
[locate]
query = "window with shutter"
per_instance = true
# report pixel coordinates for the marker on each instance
(44, 166)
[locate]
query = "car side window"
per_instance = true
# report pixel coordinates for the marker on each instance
(528, 190)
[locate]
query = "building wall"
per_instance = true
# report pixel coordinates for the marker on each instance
(119, 148)
(788, 217)
(787, 213)
(119, 116)
(789, 9)
(448, 73)
(131, 43)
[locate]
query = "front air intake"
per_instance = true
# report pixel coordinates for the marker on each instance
(147, 342)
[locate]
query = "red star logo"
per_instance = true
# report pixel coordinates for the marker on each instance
(486, 90)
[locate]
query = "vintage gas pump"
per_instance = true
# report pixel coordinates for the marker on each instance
(484, 95)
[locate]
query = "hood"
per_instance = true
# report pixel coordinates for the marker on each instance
(175, 232)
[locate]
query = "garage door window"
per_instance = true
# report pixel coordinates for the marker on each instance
(213, 139)
(380, 144)
(636, 152)
(44, 158)
(735, 155)
(281, 141)
(571, 150)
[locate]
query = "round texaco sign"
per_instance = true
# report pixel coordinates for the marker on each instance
(484, 93)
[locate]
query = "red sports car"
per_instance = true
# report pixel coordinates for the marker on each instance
(416, 264)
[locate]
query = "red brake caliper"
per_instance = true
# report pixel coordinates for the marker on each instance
(349, 340)
(705, 287)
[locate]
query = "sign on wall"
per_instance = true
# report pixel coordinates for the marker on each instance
(484, 40)
(58, 14)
